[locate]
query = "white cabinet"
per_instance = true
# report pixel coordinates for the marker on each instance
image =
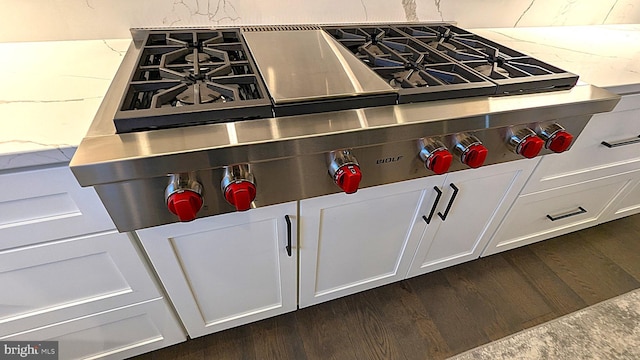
(542, 215)
(114, 334)
(227, 270)
(627, 203)
(481, 196)
(588, 158)
(590, 184)
(350, 243)
(66, 275)
(47, 204)
(68, 278)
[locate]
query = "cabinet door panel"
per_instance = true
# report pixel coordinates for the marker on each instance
(484, 195)
(115, 334)
(226, 270)
(47, 204)
(69, 278)
(351, 243)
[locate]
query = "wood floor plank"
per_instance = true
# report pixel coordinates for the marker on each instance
(556, 293)
(324, 332)
(368, 333)
(456, 321)
(589, 273)
(408, 321)
(506, 300)
(622, 247)
(231, 344)
(276, 338)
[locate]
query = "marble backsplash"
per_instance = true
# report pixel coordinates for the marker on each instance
(38, 20)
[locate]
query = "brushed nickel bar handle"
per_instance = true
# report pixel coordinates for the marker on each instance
(581, 210)
(613, 144)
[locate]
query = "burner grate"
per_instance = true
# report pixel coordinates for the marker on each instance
(446, 59)
(192, 77)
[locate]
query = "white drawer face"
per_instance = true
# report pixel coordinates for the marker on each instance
(47, 204)
(629, 203)
(69, 278)
(543, 215)
(116, 334)
(589, 158)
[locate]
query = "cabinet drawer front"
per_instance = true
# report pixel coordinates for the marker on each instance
(543, 215)
(47, 204)
(589, 158)
(61, 280)
(628, 203)
(114, 334)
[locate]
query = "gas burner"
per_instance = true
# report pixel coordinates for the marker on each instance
(204, 94)
(192, 77)
(202, 57)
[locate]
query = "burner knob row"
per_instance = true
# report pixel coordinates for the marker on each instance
(184, 194)
(184, 199)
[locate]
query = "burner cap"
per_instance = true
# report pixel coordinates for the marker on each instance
(207, 95)
(202, 57)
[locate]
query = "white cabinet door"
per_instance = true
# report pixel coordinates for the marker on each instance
(70, 278)
(114, 334)
(227, 270)
(350, 243)
(482, 198)
(47, 204)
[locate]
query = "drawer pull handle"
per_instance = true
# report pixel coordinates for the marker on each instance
(453, 197)
(427, 219)
(288, 247)
(613, 144)
(581, 210)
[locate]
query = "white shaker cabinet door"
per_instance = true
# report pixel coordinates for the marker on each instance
(351, 243)
(471, 206)
(227, 270)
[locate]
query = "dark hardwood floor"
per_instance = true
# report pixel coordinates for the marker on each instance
(446, 312)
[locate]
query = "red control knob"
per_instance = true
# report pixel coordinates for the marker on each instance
(560, 141)
(240, 194)
(475, 155)
(185, 204)
(530, 147)
(348, 178)
(439, 161)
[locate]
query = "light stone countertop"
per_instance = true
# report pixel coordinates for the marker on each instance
(45, 110)
(49, 94)
(603, 55)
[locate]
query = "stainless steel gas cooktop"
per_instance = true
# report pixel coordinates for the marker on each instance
(199, 122)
